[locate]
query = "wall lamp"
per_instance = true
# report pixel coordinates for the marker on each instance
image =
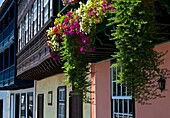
(161, 83)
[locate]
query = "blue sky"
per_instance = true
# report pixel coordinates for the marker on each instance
(1, 1)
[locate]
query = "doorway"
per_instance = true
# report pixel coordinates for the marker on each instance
(17, 106)
(40, 111)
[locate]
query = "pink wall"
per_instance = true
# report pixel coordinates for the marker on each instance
(160, 108)
(101, 87)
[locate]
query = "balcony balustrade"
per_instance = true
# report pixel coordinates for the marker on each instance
(7, 75)
(7, 36)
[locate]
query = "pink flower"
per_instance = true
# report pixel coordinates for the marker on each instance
(85, 40)
(104, 9)
(89, 14)
(65, 19)
(81, 34)
(77, 32)
(111, 8)
(82, 50)
(96, 18)
(69, 13)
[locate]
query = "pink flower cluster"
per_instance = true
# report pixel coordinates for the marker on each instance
(87, 45)
(71, 26)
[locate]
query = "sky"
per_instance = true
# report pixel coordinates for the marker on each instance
(1, 2)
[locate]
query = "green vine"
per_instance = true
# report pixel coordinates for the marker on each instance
(75, 66)
(72, 38)
(135, 37)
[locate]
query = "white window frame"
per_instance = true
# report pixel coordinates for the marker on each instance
(121, 101)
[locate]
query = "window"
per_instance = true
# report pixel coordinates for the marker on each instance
(61, 102)
(23, 34)
(11, 106)
(51, 8)
(23, 105)
(50, 97)
(45, 11)
(42, 13)
(39, 15)
(34, 20)
(30, 105)
(19, 38)
(26, 29)
(35, 16)
(121, 98)
(30, 21)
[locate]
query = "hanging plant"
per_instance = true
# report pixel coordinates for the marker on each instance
(92, 13)
(73, 37)
(134, 37)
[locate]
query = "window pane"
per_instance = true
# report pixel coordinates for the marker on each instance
(30, 105)
(42, 13)
(23, 105)
(114, 88)
(51, 8)
(122, 101)
(45, 13)
(61, 102)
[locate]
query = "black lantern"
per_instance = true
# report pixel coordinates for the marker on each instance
(161, 83)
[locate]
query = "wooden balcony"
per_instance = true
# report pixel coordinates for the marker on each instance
(34, 61)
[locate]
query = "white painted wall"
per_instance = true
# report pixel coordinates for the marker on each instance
(7, 107)
(5, 96)
(14, 92)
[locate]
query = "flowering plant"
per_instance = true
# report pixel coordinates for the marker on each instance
(92, 13)
(66, 2)
(73, 37)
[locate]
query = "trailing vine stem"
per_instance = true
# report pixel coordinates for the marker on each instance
(76, 67)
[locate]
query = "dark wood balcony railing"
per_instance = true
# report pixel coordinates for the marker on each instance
(7, 76)
(34, 61)
(6, 37)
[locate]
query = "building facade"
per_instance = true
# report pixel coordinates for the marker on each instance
(34, 62)
(112, 100)
(9, 83)
(159, 108)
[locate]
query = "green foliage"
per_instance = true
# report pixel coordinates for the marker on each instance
(135, 36)
(75, 66)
